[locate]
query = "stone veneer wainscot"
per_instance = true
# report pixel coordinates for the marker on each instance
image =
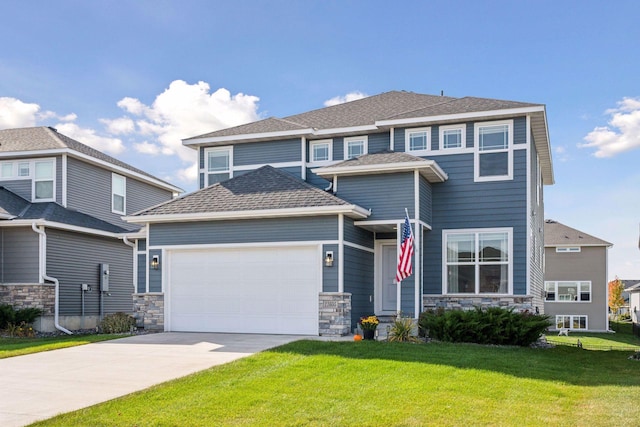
(29, 295)
(334, 313)
(432, 302)
(148, 310)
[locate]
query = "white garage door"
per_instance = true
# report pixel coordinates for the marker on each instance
(254, 290)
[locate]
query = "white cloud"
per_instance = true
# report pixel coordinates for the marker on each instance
(16, 114)
(145, 147)
(89, 137)
(622, 133)
(185, 110)
(351, 96)
(122, 125)
(188, 174)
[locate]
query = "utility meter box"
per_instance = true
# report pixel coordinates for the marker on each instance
(104, 277)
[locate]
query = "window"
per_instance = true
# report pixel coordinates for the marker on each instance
(493, 154)
(218, 164)
(452, 137)
(355, 147)
(566, 291)
(571, 322)
(477, 262)
(321, 151)
(417, 139)
(118, 193)
(23, 169)
(43, 180)
(6, 170)
(573, 249)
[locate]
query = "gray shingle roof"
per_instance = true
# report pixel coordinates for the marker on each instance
(557, 234)
(262, 189)
(46, 138)
(366, 111)
(380, 158)
(22, 209)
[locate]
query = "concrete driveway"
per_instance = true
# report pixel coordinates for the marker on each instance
(39, 386)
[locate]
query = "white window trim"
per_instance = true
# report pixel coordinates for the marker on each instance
(15, 170)
(579, 282)
(568, 249)
(477, 152)
(571, 317)
(32, 169)
(407, 140)
(463, 138)
(446, 233)
(365, 148)
(312, 144)
(114, 176)
(206, 172)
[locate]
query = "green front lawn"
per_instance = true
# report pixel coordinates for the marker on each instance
(389, 384)
(10, 347)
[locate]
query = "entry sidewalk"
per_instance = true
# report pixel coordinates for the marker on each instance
(41, 385)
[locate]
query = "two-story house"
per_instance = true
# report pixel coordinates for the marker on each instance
(575, 278)
(64, 247)
(296, 226)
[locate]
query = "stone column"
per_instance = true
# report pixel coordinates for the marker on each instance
(334, 313)
(148, 310)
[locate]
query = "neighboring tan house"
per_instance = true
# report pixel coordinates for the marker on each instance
(575, 278)
(297, 223)
(63, 245)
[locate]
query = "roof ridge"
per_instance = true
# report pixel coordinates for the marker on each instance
(449, 100)
(55, 136)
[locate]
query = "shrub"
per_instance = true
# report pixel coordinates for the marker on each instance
(402, 330)
(20, 330)
(117, 323)
(27, 315)
(491, 325)
(7, 315)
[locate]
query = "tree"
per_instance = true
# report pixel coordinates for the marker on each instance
(615, 295)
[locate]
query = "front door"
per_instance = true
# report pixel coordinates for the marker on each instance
(389, 287)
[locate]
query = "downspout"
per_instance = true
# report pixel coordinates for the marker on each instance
(43, 269)
(127, 242)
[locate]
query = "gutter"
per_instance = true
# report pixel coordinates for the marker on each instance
(43, 272)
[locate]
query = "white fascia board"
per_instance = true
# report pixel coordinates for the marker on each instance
(461, 116)
(352, 129)
(60, 226)
(91, 159)
(353, 211)
(251, 136)
(382, 168)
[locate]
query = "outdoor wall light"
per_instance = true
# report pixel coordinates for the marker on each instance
(328, 259)
(155, 262)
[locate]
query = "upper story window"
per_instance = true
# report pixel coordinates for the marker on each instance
(118, 194)
(569, 249)
(6, 170)
(355, 147)
(452, 137)
(565, 291)
(493, 154)
(417, 139)
(218, 163)
(24, 169)
(321, 151)
(43, 180)
(477, 261)
(11, 170)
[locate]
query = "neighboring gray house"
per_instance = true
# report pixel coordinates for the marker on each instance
(61, 232)
(632, 289)
(575, 278)
(296, 226)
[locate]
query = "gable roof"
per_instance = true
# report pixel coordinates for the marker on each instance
(264, 192)
(380, 112)
(15, 208)
(49, 140)
(557, 234)
(385, 162)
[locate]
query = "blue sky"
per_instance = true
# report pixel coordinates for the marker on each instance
(133, 78)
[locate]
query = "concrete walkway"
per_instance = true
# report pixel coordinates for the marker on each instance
(39, 386)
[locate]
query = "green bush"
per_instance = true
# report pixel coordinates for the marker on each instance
(27, 315)
(117, 323)
(9, 315)
(491, 325)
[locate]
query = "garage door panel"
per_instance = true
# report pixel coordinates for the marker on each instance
(255, 290)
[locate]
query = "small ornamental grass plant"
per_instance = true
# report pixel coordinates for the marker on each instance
(402, 330)
(117, 323)
(369, 323)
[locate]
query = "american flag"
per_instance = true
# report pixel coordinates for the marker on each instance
(406, 251)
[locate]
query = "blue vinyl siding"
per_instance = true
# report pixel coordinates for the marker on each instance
(21, 187)
(316, 181)
(536, 224)
(357, 235)
(387, 195)
(358, 280)
(74, 258)
(470, 135)
(293, 170)
(398, 140)
(338, 148)
(142, 273)
(330, 274)
(254, 153)
(244, 231)
(461, 203)
(378, 142)
(520, 130)
(426, 200)
(435, 138)
(20, 255)
(155, 276)
(142, 245)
